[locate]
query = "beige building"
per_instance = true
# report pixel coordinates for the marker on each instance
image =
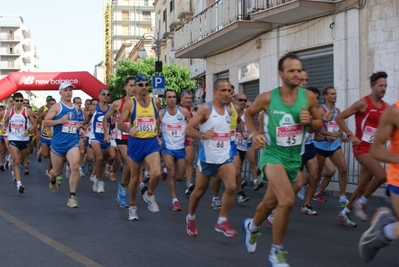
(126, 21)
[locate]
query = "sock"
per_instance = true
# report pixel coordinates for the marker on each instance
(389, 231)
(19, 183)
(252, 227)
(345, 211)
(146, 173)
(73, 194)
(215, 198)
(174, 200)
(276, 248)
(341, 197)
(191, 217)
(255, 181)
(362, 200)
(53, 182)
(165, 170)
(222, 220)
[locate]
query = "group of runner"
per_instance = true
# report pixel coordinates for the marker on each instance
(293, 133)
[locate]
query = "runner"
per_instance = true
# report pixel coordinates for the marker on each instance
(288, 110)
(143, 143)
(384, 228)
(367, 113)
(173, 120)
(214, 158)
(3, 148)
(63, 117)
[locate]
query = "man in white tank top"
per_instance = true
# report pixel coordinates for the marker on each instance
(214, 156)
(173, 120)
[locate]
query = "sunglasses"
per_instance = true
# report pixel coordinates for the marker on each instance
(242, 100)
(18, 100)
(25, 103)
(105, 94)
(142, 84)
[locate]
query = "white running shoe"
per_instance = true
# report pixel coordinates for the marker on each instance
(133, 214)
(100, 187)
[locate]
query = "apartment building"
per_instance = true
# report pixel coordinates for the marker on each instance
(126, 21)
(341, 42)
(17, 51)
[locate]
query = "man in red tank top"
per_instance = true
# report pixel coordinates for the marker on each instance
(186, 98)
(367, 111)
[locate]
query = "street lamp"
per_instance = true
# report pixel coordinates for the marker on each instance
(143, 52)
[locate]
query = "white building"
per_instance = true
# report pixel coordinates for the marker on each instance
(17, 51)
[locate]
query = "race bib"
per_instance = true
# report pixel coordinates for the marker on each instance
(70, 127)
(219, 140)
(17, 127)
(369, 134)
(100, 128)
(176, 130)
(239, 138)
(126, 123)
(289, 135)
(332, 127)
(232, 135)
(114, 134)
(146, 124)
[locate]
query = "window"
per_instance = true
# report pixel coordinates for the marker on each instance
(145, 2)
(146, 15)
(125, 30)
(125, 14)
(164, 15)
(171, 5)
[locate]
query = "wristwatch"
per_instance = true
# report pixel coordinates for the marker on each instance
(348, 134)
(202, 136)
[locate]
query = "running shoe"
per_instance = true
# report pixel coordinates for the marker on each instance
(269, 219)
(146, 177)
(308, 210)
(59, 179)
(53, 188)
(176, 206)
(319, 197)
(243, 183)
(278, 259)
(143, 188)
(26, 172)
(133, 214)
(225, 228)
(259, 185)
(346, 220)
(7, 163)
(100, 187)
(112, 177)
(216, 204)
(373, 239)
(189, 189)
(360, 211)
(343, 201)
(21, 189)
(2, 167)
(72, 202)
(152, 204)
(107, 171)
(191, 227)
(249, 237)
(242, 197)
(81, 172)
(301, 194)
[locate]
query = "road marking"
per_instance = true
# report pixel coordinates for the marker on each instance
(51, 242)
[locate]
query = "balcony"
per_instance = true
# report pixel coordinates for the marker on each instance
(197, 68)
(216, 28)
(184, 10)
(26, 59)
(290, 11)
(9, 52)
(7, 38)
(173, 21)
(26, 32)
(9, 66)
(26, 46)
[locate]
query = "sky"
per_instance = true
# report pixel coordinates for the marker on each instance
(68, 34)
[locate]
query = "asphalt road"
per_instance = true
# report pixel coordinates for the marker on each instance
(38, 229)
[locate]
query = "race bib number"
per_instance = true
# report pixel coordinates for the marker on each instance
(17, 127)
(70, 127)
(232, 135)
(219, 140)
(369, 134)
(239, 138)
(332, 127)
(114, 134)
(289, 135)
(146, 124)
(309, 137)
(176, 130)
(100, 128)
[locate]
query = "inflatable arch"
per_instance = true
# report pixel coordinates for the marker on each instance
(30, 81)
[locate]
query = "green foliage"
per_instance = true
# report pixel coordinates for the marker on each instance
(177, 78)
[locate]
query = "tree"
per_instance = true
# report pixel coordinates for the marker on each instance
(177, 78)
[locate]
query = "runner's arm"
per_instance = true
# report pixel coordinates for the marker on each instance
(49, 119)
(199, 117)
(125, 115)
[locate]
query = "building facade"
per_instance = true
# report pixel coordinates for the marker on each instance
(17, 50)
(125, 23)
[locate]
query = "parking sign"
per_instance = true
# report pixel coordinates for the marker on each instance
(158, 85)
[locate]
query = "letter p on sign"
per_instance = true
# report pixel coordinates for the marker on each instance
(158, 85)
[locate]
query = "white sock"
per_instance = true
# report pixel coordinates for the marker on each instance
(191, 217)
(252, 227)
(19, 183)
(276, 248)
(215, 198)
(165, 170)
(345, 211)
(222, 220)
(389, 231)
(174, 200)
(362, 200)
(341, 197)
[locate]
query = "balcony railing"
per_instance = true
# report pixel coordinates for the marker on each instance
(26, 59)
(7, 38)
(173, 21)
(8, 52)
(9, 66)
(205, 23)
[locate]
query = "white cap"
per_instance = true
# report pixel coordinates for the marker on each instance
(2, 105)
(66, 84)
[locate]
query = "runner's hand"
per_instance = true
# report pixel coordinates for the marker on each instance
(209, 134)
(354, 140)
(258, 141)
(305, 117)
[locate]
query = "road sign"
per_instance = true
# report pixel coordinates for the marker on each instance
(158, 85)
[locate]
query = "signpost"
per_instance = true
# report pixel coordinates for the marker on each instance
(158, 85)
